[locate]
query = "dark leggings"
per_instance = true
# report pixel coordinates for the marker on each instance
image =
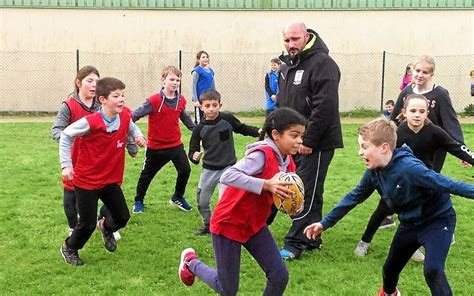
(376, 219)
(70, 209)
(155, 159)
(116, 217)
(435, 236)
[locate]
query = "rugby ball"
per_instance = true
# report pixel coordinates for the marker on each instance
(293, 205)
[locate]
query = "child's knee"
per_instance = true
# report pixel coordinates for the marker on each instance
(198, 194)
(434, 275)
(279, 277)
(185, 171)
(123, 220)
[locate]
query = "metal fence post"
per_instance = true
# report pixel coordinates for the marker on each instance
(180, 60)
(383, 81)
(77, 60)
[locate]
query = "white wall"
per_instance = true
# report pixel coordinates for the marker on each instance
(26, 80)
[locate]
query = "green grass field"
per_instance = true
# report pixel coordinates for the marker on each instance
(32, 228)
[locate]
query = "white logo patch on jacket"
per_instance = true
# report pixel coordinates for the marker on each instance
(298, 77)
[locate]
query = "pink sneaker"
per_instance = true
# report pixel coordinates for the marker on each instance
(382, 293)
(185, 275)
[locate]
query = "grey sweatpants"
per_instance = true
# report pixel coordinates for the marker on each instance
(207, 183)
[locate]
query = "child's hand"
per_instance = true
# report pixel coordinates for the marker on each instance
(196, 104)
(465, 164)
(261, 134)
(197, 156)
(140, 141)
(67, 173)
(400, 117)
(274, 98)
(277, 187)
(313, 230)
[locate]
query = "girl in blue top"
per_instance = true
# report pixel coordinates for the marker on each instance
(203, 79)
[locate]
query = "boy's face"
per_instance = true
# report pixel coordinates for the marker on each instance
(389, 108)
(171, 82)
(211, 108)
(274, 67)
(114, 102)
(371, 154)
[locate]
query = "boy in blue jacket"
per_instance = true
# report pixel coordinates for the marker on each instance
(419, 196)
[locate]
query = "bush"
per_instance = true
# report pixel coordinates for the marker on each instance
(469, 110)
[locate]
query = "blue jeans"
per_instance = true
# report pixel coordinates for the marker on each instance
(225, 278)
(435, 236)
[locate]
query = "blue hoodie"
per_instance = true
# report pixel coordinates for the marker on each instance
(416, 193)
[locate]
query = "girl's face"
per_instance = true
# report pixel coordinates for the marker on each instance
(422, 73)
(203, 60)
(416, 113)
(289, 141)
(87, 86)
(171, 82)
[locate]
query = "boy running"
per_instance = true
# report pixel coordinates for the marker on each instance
(215, 133)
(164, 111)
(98, 170)
(419, 196)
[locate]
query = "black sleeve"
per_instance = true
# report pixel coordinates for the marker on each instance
(143, 110)
(452, 146)
(448, 118)
(195, 143)
(239, 127)
(186, 119)
(267, 86)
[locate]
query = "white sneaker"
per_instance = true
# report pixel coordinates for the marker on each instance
(361, 249)
(117, 235)
(418, 256)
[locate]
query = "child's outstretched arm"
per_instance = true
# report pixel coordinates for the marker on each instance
(142, 111)
(460, 150)
(426, 178)
(187, 120)
(241, 128)
(360, 193)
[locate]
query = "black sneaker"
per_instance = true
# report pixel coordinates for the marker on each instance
(70, 256)
(203, 230)
(181, 203)
(388, 222)
(107, 236)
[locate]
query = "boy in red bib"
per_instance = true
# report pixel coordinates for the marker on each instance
(164, 111)
(98, 170)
